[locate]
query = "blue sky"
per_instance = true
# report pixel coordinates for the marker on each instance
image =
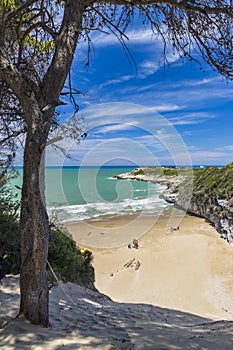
(145, 113)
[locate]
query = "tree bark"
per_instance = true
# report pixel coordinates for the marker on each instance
(39, 105)
(34, 229)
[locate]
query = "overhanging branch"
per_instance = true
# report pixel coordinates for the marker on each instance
(196, 6)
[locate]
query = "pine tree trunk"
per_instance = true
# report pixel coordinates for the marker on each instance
(34, 232)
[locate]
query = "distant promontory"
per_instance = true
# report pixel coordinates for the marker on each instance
(205, 192)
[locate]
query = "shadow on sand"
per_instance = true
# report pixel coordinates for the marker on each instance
(82, 319)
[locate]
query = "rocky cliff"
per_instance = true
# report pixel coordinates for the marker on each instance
(212, 198)
(207, 192)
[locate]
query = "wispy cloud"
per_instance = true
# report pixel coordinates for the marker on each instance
(147, 68)
(144, 41)
(191, 118)
(107, 130)
(139, 36)
(156, 61)
(193, 148)
(225, 148)
(192, 132)
(208, 157)
(200, 82)
(167, 107)
(119, 80)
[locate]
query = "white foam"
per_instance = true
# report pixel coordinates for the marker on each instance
(68, 213)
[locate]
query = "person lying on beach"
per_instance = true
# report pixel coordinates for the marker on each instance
(175, 228)
(134, 244)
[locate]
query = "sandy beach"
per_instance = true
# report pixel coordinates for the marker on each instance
(189, 269)
(179, 295)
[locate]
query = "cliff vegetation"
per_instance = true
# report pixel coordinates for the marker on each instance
(205, 192)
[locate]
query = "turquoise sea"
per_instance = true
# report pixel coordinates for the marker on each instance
(78, 193)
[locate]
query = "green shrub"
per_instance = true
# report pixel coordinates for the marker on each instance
(214, 181)
(159, 171)
(138, 172)
(9, 228)
(67, 261)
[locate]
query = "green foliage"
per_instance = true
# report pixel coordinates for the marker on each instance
(39, 45)
(23, 30)
(9, 4)
(9, 228)
(214, 181)
(160, 171)
(170, 172)
(138, 172)
(68, 262)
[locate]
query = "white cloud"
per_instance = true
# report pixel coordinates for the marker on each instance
(191, 118)
(106, 129)
(193, 148)
(147, 140)
(192, 132)
(143, 150)
(167, 107)
(151, 66)
(143, 40)
(198, 157)
(107, 111)
(139, 134)
(206, 156)
(140, 36)
(185, 93)
(147, 68)
(117, 81)
(200, 82)
(225, 148)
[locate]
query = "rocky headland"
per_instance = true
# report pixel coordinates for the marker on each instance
(205, 192)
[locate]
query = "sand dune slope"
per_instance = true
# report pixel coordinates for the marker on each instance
(82, 319)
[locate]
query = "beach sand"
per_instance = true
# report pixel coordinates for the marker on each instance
(190, 269)
(174, 300)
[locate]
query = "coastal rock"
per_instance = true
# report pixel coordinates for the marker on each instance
(208, 207)
(171, 181)
(189, 196)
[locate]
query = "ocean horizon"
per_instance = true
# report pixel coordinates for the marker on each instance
(92, 193)
(75, 193)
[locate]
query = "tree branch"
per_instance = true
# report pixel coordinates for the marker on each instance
(65, 45)
(197, 6)
(19, 9)
(20, 85)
